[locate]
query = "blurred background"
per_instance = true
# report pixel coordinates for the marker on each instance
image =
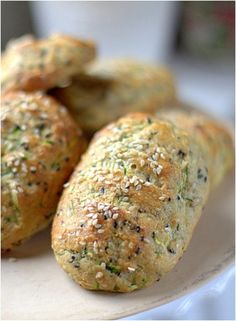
(195, 39)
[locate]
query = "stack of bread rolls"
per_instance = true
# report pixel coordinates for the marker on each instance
(128, 212)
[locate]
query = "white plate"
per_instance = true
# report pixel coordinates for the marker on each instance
(35, 287)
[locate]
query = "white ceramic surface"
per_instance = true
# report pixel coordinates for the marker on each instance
(34, 286)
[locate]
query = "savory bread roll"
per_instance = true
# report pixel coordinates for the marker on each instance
(111, 88)
(40, 147)
(132, 203)
(29, 64)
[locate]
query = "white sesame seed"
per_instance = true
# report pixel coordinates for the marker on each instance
(66, 185)
(14, 169)
(146, 240)
(103, 265)
(97, 225)
(17, 162)
(99, 275)
(131, 269)
(125, 199)
(142, 162)
(59, 237)
(162, 156)
(95, 222)
(138, 187)
(100, 231)
(89, 215)
(20, 189)
(131, 245)
(115, 216)
(115, 208)
(155, 156)
(162, 198)
(147, 184)
(100, 206)
(94, 216)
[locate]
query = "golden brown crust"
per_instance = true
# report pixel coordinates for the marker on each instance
(113, 88)
(134, 200)
(211, 135)
(31, 64)
(40, 147)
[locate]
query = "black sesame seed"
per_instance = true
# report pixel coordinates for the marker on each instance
(115, 224)
(137, 251)
(169, 199)
(142, 238)
(178, 197)
(138, 229)
(170, 250)
(102, 190)
(181, 154)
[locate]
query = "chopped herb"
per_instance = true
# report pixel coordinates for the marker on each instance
(113, 269)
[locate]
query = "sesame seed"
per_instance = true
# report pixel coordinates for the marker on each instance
(131, 269)
(66, 185)
(14, 169)
(125, 199)
(138, 187)
(142, 162)
(99, 275)
(97, 225)
(146, 240)
(162, 156)
(131, 245)
(103, 265)
(95, 222)
(89, 215)
(155, 156)
(147, 184)
(100, 231)
(162, 198)
(59, 237)
(20, 189)
(115, 208)
(115, 216)
(94, 216)
(17, 162)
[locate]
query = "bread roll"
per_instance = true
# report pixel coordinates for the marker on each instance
(40, 147)
(29, 64)
(133, 202)
(111, 88)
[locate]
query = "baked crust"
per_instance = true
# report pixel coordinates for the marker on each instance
(29, 64)
(40, 148)
(112, 88)
(132, 204)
